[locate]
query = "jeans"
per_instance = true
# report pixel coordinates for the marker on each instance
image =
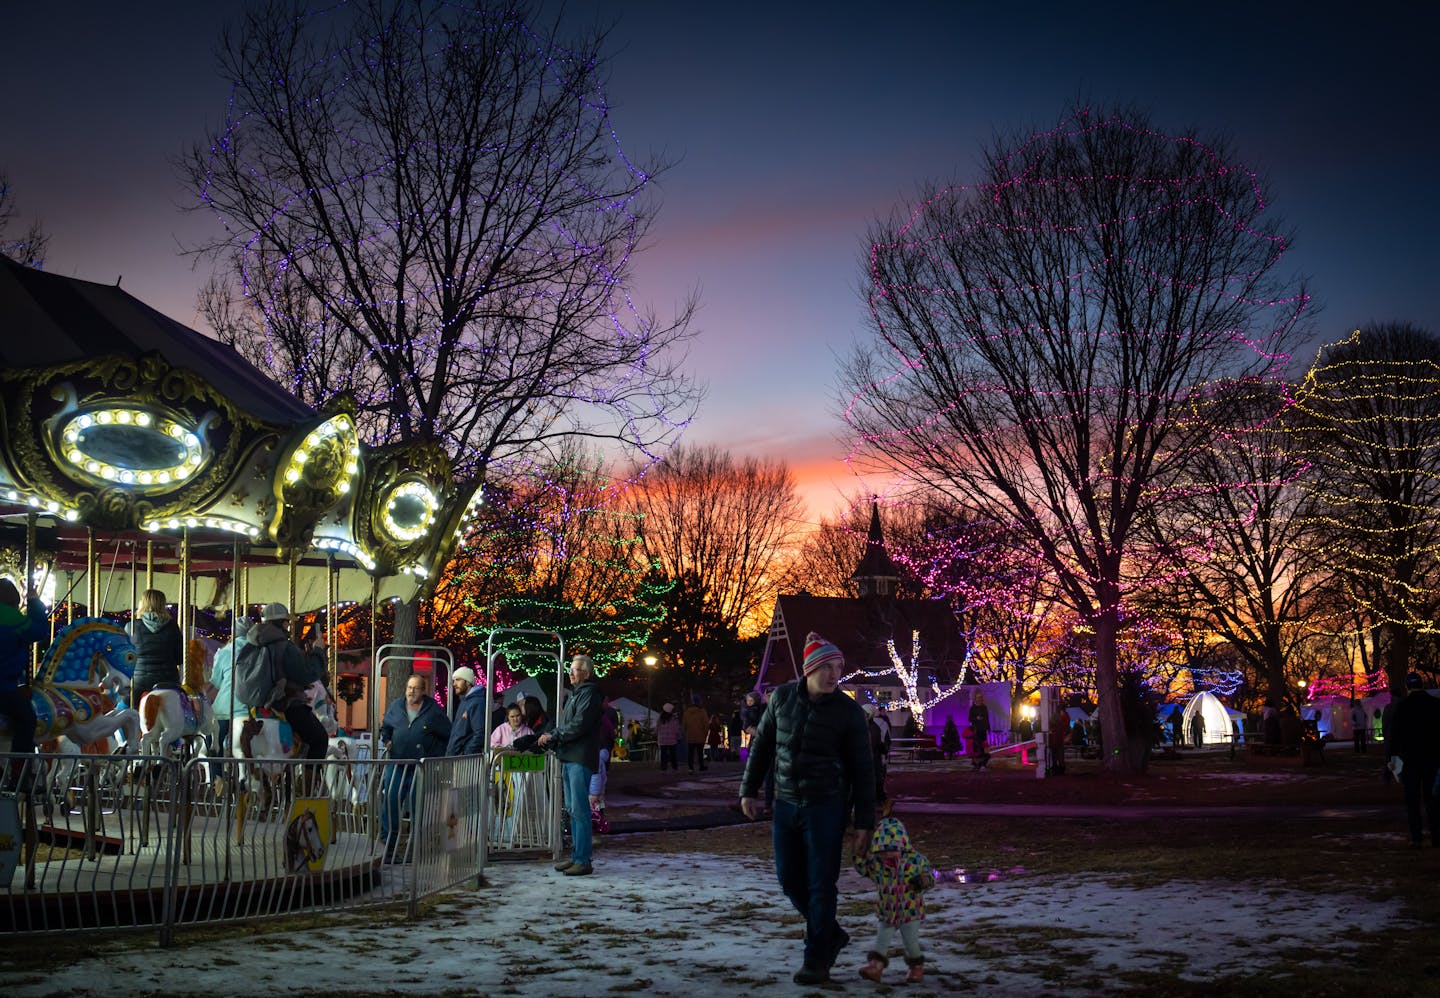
(597, 779)
(398, 787)
(576, 777)
(808, 842)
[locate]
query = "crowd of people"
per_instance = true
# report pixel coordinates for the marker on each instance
(815, 759)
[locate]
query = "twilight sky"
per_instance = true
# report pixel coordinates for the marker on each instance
(795, 124)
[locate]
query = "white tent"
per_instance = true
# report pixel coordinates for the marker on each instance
(527, 687)
(1216, 719)
(629, 709)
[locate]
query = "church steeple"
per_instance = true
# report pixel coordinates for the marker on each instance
(875, 575)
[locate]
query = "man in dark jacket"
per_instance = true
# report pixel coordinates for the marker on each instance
(817, 741)
(577, 745)
(468, 732)
(414, 727)
(18, 631)
(1414, 736)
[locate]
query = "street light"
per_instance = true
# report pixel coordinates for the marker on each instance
(650, 661)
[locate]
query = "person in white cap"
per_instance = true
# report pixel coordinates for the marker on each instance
(300, 669)
(467, 730)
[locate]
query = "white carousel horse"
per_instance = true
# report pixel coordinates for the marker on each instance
(170, 715)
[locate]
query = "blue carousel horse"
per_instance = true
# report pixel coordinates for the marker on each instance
(86, 671)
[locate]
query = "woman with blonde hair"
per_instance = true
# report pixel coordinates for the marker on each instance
(159, 647)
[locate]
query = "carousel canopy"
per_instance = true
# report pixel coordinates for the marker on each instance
(129, 433)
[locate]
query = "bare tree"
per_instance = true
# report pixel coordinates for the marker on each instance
(1370, 424)
(1042, 339)
(438, 187)
(26, 246)
(729, 523)
(1245, 565)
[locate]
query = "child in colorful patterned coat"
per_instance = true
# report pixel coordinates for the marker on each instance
(902, 875)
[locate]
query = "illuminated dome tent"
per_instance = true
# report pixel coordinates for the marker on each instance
(130, 443)
(1218, 719)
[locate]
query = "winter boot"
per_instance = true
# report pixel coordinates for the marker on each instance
(917, 969)
(873, 970)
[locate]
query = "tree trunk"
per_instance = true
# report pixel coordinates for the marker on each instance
(1397, 655)
(407, 625)
(1107, 685)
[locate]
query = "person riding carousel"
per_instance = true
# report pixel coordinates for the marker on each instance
(18, 631)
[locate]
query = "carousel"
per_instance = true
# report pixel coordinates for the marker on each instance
(137, 454)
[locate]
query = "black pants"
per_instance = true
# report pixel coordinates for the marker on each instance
(1419, 782)
(19, 714)
(668, 757)
(308, 729)
(697, 751)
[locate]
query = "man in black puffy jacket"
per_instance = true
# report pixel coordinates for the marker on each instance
(818, 743)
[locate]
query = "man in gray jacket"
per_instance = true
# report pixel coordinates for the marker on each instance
(577, 744)
(818, 742)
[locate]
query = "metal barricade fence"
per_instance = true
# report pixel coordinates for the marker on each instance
(444, 825)
(114, 841)
(522, 804)
(86, 841)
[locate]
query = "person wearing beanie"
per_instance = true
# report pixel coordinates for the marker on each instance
(468, 729)
(19, 629)
(1415, 738)
(667, 737)
(816, 741)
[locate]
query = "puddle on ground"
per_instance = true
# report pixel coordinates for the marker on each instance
(978, 875)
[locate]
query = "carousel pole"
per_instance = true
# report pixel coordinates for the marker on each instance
(182, 598)
(90, 572)
(370, 719)
(29, 590)
(149, 567)
(70, 597)
(331, 657)
(294, 567)
(134, 578)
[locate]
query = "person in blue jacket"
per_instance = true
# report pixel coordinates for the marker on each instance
(468, 729)
(18, 631)
(413, 728)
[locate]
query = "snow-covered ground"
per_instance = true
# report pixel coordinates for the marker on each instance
(695, 924)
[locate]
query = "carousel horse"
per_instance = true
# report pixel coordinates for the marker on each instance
(86, 671)
(168, 716)
(265, 742)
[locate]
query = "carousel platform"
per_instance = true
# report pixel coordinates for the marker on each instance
(231, 871)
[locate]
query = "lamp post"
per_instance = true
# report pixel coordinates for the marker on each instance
(650, 661)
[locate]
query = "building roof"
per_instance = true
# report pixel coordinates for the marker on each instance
(860, 627)
(50, 320)
(875, 563)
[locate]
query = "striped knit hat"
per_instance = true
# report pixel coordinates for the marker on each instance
(819, 652)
